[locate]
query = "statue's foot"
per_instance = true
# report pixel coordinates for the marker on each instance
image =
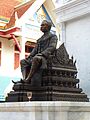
(27, 81)
(15, 82)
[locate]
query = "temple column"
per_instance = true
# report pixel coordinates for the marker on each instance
(23, 41)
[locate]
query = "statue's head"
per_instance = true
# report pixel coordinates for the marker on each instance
(45, 26)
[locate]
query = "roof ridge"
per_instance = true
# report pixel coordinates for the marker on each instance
(23, 4)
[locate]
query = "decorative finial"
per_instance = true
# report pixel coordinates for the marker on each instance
(72, 57)
(74, 62)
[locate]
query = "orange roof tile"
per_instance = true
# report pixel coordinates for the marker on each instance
(20, 11)
(7, 7)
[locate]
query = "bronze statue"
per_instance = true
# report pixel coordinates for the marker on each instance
(56, 82)
(45, 46)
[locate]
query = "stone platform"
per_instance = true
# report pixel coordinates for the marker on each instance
(51, 110)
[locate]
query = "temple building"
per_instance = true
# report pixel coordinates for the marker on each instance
(19, 30)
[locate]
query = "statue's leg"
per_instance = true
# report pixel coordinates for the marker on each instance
(25, 63)
(24, 73)
(36, 63)
(24, 66)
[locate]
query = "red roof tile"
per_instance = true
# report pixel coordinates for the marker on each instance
(7, 7)
(20, 11)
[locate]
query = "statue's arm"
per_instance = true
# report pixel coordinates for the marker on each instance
(51, 46)
(34, 52)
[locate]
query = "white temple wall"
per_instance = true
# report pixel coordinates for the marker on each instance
(74, 20)
(78, 44)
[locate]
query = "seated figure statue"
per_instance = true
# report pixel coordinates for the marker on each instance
(45, 46)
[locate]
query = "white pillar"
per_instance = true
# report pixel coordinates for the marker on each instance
(63, 32)
(23, 41)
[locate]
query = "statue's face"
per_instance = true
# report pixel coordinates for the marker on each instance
(44, 27)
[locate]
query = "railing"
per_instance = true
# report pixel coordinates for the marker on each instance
(67, 1)
(61, 2)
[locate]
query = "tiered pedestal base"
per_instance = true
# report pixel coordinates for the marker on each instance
(45, 93)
